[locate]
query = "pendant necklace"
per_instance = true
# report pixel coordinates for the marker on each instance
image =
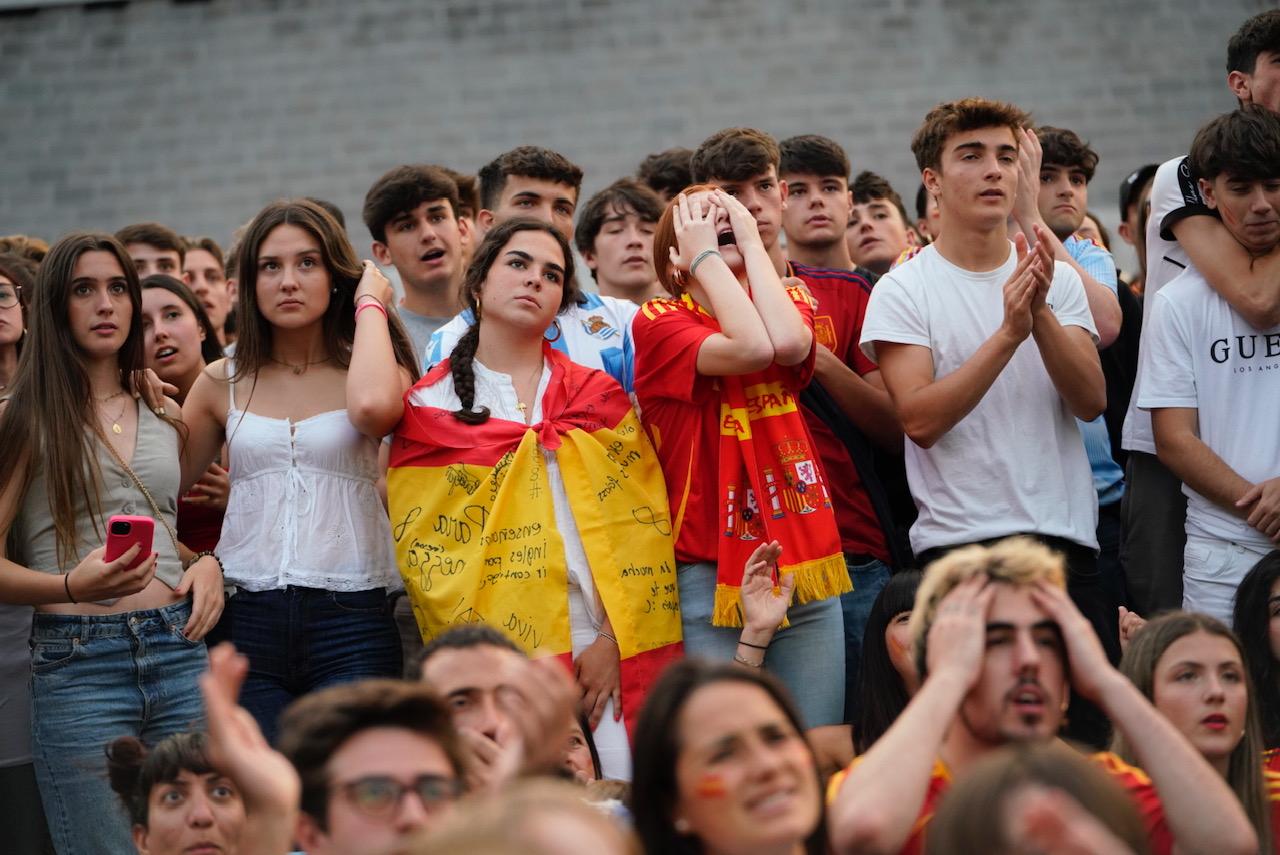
(115, 423)
(298, 369)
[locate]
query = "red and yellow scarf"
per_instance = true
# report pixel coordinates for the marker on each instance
(771, 487)
(475, 530)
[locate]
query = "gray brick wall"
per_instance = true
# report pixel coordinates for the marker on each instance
(196, 113)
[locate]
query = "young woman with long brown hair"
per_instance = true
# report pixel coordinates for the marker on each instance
(115, 651)
(305, 538)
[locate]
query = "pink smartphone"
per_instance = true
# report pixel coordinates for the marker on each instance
(123, 532)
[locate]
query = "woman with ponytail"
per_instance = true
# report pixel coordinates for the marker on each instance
(523, 492)
(305, 539)
(115, 648)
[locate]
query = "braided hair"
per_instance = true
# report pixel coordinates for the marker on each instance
(464, 352)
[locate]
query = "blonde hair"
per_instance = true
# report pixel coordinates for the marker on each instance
(507, 824)
(1018, 561)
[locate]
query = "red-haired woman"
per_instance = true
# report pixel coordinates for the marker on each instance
(719, 368)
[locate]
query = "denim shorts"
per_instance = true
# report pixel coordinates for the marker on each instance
(95, 678)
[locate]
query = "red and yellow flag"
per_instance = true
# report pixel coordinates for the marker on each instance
(475, 529)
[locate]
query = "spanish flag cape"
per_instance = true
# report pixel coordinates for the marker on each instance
(475, 527)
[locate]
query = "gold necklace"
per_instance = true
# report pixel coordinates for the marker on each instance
(115, 423)
(521, 405)
(298, 369)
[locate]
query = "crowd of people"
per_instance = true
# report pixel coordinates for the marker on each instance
(807, 526)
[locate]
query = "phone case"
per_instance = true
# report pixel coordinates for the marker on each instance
(123, 532)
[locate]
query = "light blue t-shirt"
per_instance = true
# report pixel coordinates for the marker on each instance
(1108, 477)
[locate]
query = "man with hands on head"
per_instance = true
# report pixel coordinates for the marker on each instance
(999, 647)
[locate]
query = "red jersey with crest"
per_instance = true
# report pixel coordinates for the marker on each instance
(680, 409)
(842, 297)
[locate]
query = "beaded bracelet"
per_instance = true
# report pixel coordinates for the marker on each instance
(207, 554)
(742, 661)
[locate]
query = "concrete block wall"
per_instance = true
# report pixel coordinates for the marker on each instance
(197, 113)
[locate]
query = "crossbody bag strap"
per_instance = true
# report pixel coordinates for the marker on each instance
(155, 509)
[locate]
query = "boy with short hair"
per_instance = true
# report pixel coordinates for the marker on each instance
(1211, 380)
(879, 234)
(204, 270)
(154, 249)
(815, 171)
(1183, 232)
(615, 237)
(988, 351)
(412, 214)
(846, 408)
(666, 172)
(530, 181)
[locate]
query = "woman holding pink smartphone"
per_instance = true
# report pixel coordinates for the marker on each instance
(116, 648)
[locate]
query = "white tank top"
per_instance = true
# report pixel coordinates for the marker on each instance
(304, 507)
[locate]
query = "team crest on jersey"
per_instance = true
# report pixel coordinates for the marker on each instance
(596, 325)
(825, 331)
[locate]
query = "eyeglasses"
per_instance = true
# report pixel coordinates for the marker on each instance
(8, 296)
(379, 796)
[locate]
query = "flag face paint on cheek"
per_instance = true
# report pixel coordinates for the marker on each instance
(711, 786)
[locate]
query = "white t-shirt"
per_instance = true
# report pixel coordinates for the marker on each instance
(1015, 463)
(1173, 194)
(1201, 354)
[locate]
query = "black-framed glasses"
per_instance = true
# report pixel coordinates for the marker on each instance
(379, 796)
(8, 296)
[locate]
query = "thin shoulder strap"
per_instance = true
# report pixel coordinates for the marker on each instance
(231, 386)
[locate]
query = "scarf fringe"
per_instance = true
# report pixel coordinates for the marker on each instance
(815, 580)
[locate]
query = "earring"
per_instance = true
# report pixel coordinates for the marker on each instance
(682, 826)
(559, 332)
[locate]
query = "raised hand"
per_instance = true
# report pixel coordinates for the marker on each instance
(1090, 667)
(1041, 269)
(1020, 292)
(1130, 623)
(373, 284)
(745, 231)
(958, 637)
(764, 605)
(1026, 202)
(266, 780)
(694, 218)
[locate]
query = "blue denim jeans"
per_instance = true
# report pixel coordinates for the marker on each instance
(868, 578)
(95, 678)
(808, 656)
(302, 639)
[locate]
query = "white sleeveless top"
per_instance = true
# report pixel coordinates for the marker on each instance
(304, 507)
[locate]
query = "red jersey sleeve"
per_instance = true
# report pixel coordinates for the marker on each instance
(668, 336)
(1139, 787)
(803, 371)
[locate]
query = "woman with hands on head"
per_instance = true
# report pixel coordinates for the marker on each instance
(719, 367)
(122, 640)
(305, 539)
